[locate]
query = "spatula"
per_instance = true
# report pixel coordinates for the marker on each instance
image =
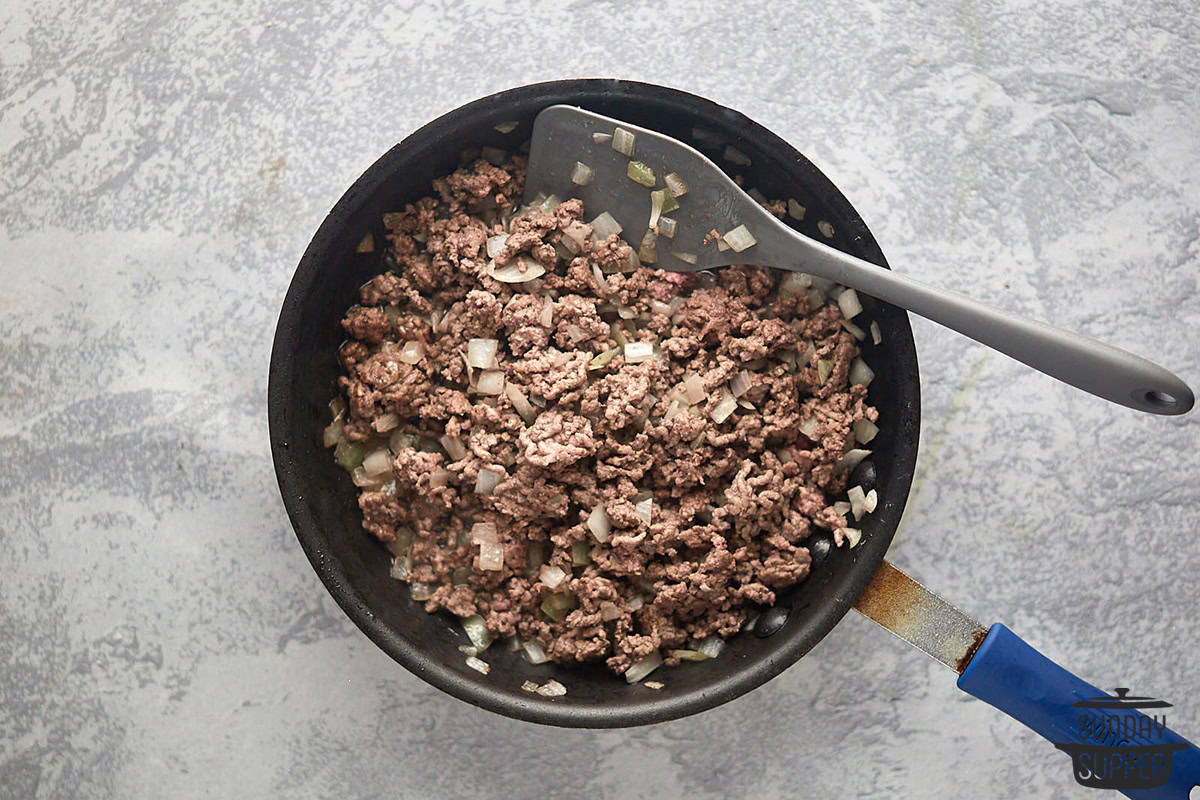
(614, 166)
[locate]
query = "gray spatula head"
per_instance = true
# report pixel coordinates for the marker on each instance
(566, 135)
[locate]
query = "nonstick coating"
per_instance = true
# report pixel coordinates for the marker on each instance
(321, 500)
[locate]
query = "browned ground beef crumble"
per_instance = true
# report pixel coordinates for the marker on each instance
(733, 502)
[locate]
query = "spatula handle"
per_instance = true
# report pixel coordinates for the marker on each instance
(1017, 679)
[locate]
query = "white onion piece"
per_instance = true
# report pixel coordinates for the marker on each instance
(858, 333)
(575, 235)
(478, 664)
(635, 602)
(334, 433)
(495, 244)
(518, 271)
(481, 353)
(648, 249)
(487, 480)
(656, 204)
(378, 462)
(412, 352)
(602, 138)
(484, 532)
(693, 389)
(386, 422)
(739, 239)
(852, 458)
(853, 536)
(645, 510)
(598, 277)
(667, 227)
(491, 381)
(864, 430)
(736, 156)
(644, 667)
(860, 373)
(551, 576)
(740, 384)
(520, 402)
(659, 307)
(582, 174)
(841, 508)
(856, 496)
(477, 632)
(547, 316)
(676, 184)
(534, 652)
(604, 226)
(849, 303)
(687, 258)
(871, 501)
(453, 447)
(609, 611)
(599, 523)
(794, 283)
(726, 405)
(625, 312)
(711, 646)
(439, 478)
(876, 334)
(795, 210)
(623, 142)
(552, 689)
(491, 556)
(637, 352)
(826, 229)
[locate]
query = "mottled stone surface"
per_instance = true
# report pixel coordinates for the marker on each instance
(162, 166)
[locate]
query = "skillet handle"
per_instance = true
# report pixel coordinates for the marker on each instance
(1010, 675)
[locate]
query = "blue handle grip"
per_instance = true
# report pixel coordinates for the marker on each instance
(1106, 744)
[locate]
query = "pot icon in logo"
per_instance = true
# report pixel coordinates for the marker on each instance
(1119, 747)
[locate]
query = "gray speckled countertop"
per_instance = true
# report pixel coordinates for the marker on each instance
(162, 167)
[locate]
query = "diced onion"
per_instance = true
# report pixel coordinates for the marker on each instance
(580, 554)
(334, 433)
(598, 277)
(551, 576)
(808, 427)
(732, 154)
(478, 664)
(602, 138)
(529, 686)
(648, 250)
(477, 632)
(520, 402)
(518, 271)
(491, 556)
(421, 591)
(637, 352)
(534, 652)
(645, 510)
(740, 384)
(439, 478)
(644, 667)
(853, 536)
(487, 480)
(726, 405)
(364, 481)
(824, 369)
(849, 303)
(366, 244)
(876, 334)
(667, 227)
(690, 655)
(656, 685)
(582, 174)
(481, 353)
(661, 308)
(676, 184)
(740, 239)
(826, 229)
(506, 127)
(575, 235)
(601, 360)
(693, 389)
(641, 174)
(604, 226)
(864, 430)
(599, 524)
(795, 210)
(841, 508)
(711, 646)
(609, 611)
(623, 142)
(453, 447)
(656, 204)
(552, 688)
(860, 373)
(491, 381)
(386, 422)
(625, 312)
(852, 458)
(858, 333)
(495, 244)
(412, 352)
(687, 258)
(871, 501)
(856, 495)
(635, 602)
(484, 532)
(377, 462)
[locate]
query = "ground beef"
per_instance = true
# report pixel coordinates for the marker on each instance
(579, 428)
